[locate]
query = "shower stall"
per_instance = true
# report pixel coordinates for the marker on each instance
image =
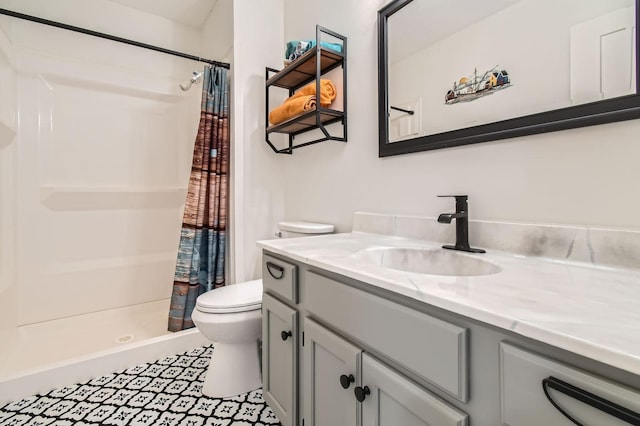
(96, 139)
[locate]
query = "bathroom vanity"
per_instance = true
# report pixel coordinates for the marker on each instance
(352, 339)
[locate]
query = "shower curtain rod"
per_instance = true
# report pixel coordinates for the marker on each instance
(109, 37)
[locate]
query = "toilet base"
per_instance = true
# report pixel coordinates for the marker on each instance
(234, 369)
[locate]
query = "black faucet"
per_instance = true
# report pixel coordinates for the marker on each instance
(462, 224)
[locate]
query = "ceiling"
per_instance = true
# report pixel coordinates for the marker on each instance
(192, 13)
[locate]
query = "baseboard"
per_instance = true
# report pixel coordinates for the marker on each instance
(80, 369)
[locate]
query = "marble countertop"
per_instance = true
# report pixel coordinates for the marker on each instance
(590, 310)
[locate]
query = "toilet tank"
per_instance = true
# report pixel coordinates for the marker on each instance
(303, 229)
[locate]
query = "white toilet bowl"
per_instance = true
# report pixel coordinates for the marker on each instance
(231, 317)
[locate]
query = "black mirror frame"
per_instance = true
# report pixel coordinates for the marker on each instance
(589, 114)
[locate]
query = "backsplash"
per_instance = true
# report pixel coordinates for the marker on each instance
(596, 246)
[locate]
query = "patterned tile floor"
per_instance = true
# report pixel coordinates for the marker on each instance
(160, 393)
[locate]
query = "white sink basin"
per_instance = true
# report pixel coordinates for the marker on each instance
(433, 261)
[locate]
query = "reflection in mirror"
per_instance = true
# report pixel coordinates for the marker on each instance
(459, 64)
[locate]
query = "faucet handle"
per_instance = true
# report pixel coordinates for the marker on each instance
(461, 202)
(457, 197)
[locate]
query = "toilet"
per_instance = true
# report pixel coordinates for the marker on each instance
(231, 317)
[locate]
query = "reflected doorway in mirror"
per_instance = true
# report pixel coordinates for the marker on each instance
(601, 57)
(403, 125)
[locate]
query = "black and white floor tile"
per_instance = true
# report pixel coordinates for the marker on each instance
(166, 392)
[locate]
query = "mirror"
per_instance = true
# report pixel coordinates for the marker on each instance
(458, 72)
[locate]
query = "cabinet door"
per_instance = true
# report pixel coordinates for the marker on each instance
(280, 358)
(391, 400)
(331, 367)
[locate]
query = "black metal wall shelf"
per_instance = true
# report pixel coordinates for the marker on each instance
(314, 63)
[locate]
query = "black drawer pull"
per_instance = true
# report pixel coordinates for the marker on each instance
(588, 398)
(284, 335)
(345, 381)
(272, 266)
(361, 393)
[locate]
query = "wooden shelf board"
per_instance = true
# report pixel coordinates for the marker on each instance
(303, 69)
(306, 121)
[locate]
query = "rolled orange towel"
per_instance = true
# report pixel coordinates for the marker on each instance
(291, 108)
(327, 92)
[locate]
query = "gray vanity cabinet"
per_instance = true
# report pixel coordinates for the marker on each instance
(371, 358)
(280, 358)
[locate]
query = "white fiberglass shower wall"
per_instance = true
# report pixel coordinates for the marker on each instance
(8, 114)
(95, 180)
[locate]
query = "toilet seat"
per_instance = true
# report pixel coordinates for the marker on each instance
(241, 297)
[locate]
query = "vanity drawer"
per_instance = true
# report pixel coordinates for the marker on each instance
(280, 277)
(523, 399)
(428, 347)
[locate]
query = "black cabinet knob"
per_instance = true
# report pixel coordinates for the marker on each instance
(285, 335)
(345, 381)
(361, 393)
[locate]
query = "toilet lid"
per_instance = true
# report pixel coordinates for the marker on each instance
(241, 297)
(306, 227)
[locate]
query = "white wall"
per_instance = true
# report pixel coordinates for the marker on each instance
(582, 176)
(106, 138)
(258, 183)
(217, 32)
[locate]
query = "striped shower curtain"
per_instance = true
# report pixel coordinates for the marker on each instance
(201, 254)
